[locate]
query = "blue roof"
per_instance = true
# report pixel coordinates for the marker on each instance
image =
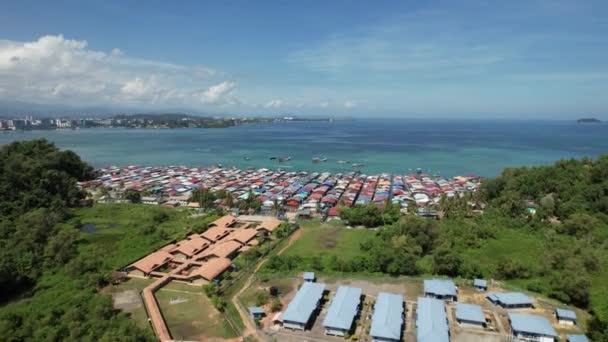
(442, 287)
(480, 283)
(510, 298)
(255, 310)
(577, 338)
(567, 314)
(532, 324)
(304, 303)
(431, 321)
(469, 312)
(309, 276)
(343, 308)
(387, 320)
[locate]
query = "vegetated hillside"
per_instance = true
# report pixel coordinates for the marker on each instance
(561, 251)
(50, 272)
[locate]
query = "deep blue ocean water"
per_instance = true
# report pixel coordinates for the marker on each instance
(451, 147)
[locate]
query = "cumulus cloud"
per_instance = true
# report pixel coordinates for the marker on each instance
(274, 104)
(56, 69)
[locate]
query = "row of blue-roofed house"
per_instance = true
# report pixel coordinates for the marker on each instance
(432, 325)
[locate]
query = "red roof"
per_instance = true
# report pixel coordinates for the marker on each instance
(333, 211)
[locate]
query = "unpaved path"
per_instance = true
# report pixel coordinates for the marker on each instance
(250, 328)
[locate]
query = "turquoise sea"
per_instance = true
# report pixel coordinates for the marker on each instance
(450, 147)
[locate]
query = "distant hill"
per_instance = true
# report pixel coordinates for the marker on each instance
(588, 120)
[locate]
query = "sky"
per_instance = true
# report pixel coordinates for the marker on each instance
(469, 58)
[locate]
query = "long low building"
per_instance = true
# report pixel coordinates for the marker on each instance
(431, 321)
(440, 289)
(565, 317)
(342, 311)
(532, 328)
(387, 320)
(510, 300)
(470, 315)
(304, 304)
(576, 338)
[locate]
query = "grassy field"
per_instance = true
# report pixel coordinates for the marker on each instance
(127, 232)
(527, 247)
(324, 240)
(193, 317)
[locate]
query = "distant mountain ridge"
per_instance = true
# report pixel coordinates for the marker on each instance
(588, 120)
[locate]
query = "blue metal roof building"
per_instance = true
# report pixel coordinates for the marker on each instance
(470, 315)
(342, 311)
(387, 320)
(576, 338)
(256, 311)
(480, 284)
(309, 276)
(510, 300)
(440, 289)
(431, 321)
(301, 308)
(531, 326)
(565, 316)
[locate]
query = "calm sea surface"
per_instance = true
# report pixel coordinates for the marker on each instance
(397, 146)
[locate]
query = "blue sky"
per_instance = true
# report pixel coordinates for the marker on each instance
(513, 59)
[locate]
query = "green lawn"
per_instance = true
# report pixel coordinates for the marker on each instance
(326, 240)
(193, 319)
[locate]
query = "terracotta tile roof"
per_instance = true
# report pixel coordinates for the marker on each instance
(192, 245)
(223, 222)
(148, 263)
(220, 250)
(243, 235)
(215, 233)
(212, 268)
(269, 224)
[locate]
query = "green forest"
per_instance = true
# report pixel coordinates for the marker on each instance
(544, 229)
(51, 273)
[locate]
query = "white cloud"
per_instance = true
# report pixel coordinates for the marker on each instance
(274, 104)
(218, 94)
(324, 104)
(54, 69)
(349, 104)
(117, 52)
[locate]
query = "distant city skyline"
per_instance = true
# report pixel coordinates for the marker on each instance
(538, 59)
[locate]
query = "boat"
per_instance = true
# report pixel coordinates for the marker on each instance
(318, 160)
(283, 159)
(343, 162)
(358, 165)
(249, 158)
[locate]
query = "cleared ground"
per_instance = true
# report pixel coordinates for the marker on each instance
(328, 239)
(411, 288)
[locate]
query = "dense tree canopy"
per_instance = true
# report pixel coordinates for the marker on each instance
(39, 254)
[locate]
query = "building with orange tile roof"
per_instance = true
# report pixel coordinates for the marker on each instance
(268, 225)
(187, 248)
(210, 270)
(243, 236)
(149, 263)
(223, 222)
(226, 249)
(215, 233)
